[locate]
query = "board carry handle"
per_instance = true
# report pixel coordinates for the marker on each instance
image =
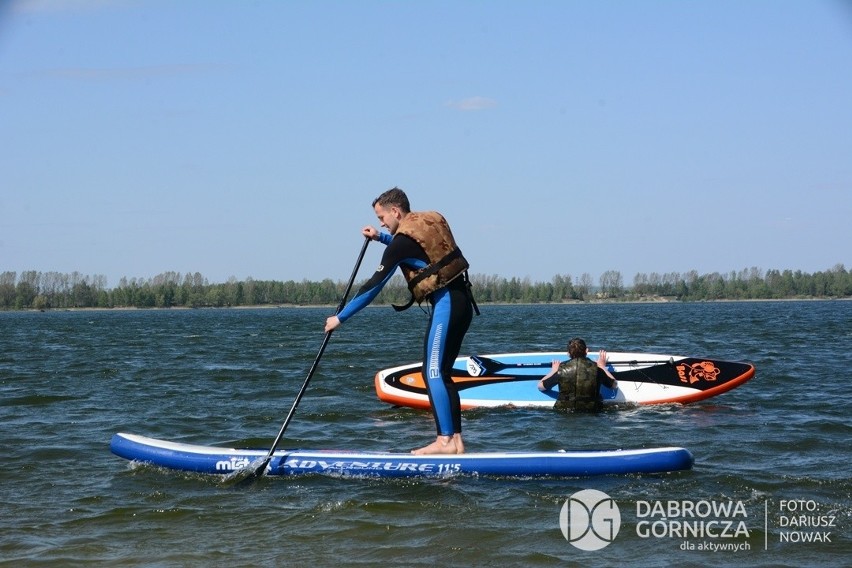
(478, 366)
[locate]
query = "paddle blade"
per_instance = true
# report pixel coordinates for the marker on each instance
(475, 368)
(249, 474)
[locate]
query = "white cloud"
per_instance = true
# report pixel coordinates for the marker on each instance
(473, 104)
(54, 6)
(113, 73)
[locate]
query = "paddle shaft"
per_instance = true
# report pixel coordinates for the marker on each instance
(493, 366)
(315, 364)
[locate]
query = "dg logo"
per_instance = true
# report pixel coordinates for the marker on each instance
(590, 519)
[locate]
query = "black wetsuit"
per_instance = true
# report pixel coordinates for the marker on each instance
(449, 320)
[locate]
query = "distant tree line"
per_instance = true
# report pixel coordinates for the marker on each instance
(54, 290)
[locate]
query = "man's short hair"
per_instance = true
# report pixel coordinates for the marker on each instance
(393, 197)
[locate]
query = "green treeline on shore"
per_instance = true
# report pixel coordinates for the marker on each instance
(54, 290)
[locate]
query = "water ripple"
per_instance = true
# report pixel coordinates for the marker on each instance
(69, 380)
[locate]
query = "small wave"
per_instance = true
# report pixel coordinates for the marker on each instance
(36, 400)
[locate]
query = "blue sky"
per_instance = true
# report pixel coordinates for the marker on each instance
(248, 139)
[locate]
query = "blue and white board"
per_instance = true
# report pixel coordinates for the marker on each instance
(511, 379)
(219, 460)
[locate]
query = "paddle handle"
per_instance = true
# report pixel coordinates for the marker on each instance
(352, 276)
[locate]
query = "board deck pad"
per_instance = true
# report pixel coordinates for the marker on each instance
(575, 463)
(511, 379)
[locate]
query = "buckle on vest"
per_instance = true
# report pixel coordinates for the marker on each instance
(405, 307)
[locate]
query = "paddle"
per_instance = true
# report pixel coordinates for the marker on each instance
(478, 366)
(257, 469)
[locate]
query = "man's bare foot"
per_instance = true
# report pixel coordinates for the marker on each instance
(442, 445)
(457, 438)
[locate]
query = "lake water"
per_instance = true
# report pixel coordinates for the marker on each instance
(775, 451)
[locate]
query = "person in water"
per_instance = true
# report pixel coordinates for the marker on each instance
(579, 379)
(422, 246)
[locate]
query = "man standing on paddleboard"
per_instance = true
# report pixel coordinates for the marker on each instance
(579, 379)
(422, 246)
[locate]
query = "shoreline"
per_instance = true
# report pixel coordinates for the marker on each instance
(654, 301)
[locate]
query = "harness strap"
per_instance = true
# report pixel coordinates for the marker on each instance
(469, 288)
(433, 268)
(426, 273)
